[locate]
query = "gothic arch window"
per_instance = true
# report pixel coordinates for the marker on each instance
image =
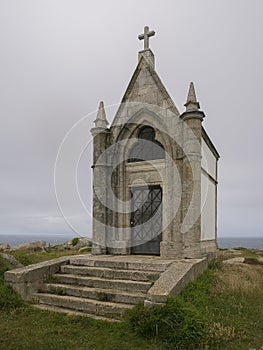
(146, 148)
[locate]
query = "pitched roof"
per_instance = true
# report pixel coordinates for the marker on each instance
(146, 86)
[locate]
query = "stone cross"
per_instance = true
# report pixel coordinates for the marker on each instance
(145, 36)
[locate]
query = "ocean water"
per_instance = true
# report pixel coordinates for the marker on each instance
(244, 242)
(53, 238)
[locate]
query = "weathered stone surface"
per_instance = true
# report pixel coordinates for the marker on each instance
(72, 312)
(31, 246)
(110, 273)
(83, 242)
(27, 280)
(209, 248)
(102, 290)
(4, 247)
(146, 102)
(132, 262)
(96, 282)
(10, 261)
(232, 261)
(94, 293)
(175, 278)
(86, 305)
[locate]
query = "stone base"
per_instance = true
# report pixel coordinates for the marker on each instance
(119, 251)
(177, 251)
(119, 248)
(209, 249)
(98, 249)
(192, 251)
(170, 249)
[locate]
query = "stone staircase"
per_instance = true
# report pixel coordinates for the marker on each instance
(100, 287)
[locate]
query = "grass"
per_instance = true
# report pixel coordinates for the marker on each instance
(229, 298)
(8, 299)
(25, 328)
(239, 252)
(236, 303)
(177, 324)
(29, 329)
(233, 305)
(28, 258)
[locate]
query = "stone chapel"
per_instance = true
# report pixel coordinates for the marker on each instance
(154, 172)
(154, 207)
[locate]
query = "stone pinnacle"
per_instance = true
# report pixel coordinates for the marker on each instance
(101, 120)
(192, 104)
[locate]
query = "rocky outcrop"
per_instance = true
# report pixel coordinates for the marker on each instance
(31, 246)
(242, 261)
(10, 261)
(4, 247)
(233, 261)
(78, 243)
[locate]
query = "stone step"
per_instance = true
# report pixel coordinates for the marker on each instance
(103, 283)
(72, 312)
(145, 264)
(110, 273)
(100, 308)
(94, 293)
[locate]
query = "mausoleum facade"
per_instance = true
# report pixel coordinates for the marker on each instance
(154, 172)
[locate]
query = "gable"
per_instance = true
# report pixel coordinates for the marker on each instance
(145, 87)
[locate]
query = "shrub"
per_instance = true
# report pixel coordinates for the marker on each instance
(178, 323)
(24, 257)
(3, 267)
(8, 298)
(75, 241)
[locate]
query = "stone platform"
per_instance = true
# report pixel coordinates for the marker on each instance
(103, 286)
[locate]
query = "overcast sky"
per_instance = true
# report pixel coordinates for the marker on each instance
(59, 58)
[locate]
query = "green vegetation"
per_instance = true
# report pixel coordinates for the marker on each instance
(8, 299)
(222, 310)
(178, 324)
(30, 329)
(85, 250)
(243, 252)
(28, 258)
(75, 241)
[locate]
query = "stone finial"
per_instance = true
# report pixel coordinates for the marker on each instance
(192, 104)
(101, 120)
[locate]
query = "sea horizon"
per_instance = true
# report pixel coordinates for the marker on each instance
(240, 242)
(58, 238)
(50, 238)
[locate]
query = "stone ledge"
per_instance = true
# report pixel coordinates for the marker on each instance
(130, 262)
(27, 280)
(174, 279)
